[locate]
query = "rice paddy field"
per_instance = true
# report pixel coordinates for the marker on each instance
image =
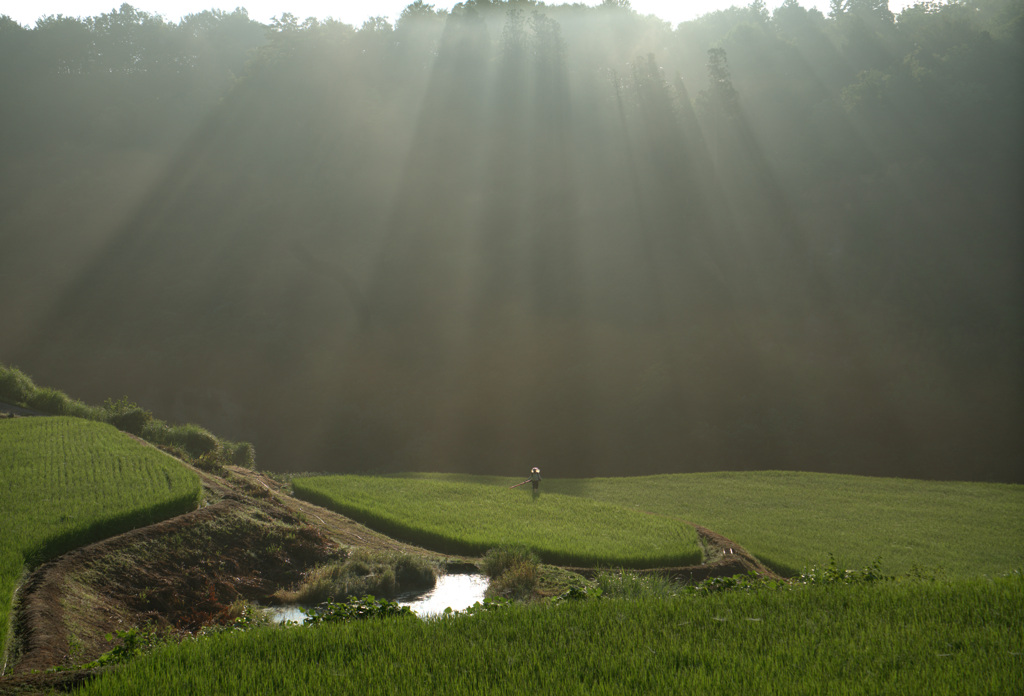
(918, 636)
(66, 482)
(790, 520)
(467, 516)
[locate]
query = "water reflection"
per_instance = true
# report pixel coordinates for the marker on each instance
(458, 591)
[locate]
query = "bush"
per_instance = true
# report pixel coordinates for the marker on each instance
(239, 454)
(382, 574)
(513, 570)
(15, 385)
(156, 431)
(127, 416)
(498, 560)
(194, 440)
(210, 462)
(517, 581)
(51, 401)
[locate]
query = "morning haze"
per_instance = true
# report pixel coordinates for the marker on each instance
(517, 234)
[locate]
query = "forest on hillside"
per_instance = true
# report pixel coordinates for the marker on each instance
(516, 234)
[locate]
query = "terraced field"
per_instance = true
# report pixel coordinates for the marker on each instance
(65, 482)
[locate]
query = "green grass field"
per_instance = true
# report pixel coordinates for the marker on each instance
(898, 637)
(65, 482)
(791, 519)
(462, 516)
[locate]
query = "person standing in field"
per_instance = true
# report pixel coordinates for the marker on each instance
(535, 480)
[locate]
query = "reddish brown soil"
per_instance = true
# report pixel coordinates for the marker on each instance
(177, 576)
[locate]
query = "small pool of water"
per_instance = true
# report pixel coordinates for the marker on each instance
(458, 591)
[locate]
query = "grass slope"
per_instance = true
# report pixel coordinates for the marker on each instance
(898, 637)
(791, 520)
(463, 516)
(65, 482)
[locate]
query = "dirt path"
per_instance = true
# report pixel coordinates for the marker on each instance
(249, 540)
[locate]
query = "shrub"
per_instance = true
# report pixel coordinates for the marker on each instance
(127, 416)
(382, 574)
(498, 560)
(239, 454)
(414, 572)
(513, 571)
(49, 400)
(210, 462)
(15, 385)
(517, 581)
(196, 441)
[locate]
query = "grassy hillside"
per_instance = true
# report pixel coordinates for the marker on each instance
(900, 637)
(461, 515)
(65, 482)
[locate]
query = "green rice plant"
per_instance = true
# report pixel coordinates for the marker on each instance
(624, 584)
(65, 482)
(950, 637)
(794, 520)
(460, 516)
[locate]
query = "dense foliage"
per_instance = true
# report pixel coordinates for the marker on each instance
(66, 482)
(896, 637)
(518, 232)
(470, 518)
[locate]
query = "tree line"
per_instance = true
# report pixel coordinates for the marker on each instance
(518, 232)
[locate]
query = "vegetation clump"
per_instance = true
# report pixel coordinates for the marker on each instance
(364, 572)
(366, 607)
(623, 584)
(514, 572)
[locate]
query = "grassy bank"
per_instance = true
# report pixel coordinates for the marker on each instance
(460, 516)
(897, 637)
(65, 482)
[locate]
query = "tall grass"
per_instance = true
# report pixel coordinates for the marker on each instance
(65, 482)
(470, 518)
(379, 573)
(906, 637)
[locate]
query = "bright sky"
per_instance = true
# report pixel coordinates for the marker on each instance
(353, 12)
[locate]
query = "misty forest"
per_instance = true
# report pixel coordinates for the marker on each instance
(515, 234)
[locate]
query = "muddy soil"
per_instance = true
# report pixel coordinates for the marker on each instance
(249, 540)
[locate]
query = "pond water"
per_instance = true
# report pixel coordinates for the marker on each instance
(458, 591)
